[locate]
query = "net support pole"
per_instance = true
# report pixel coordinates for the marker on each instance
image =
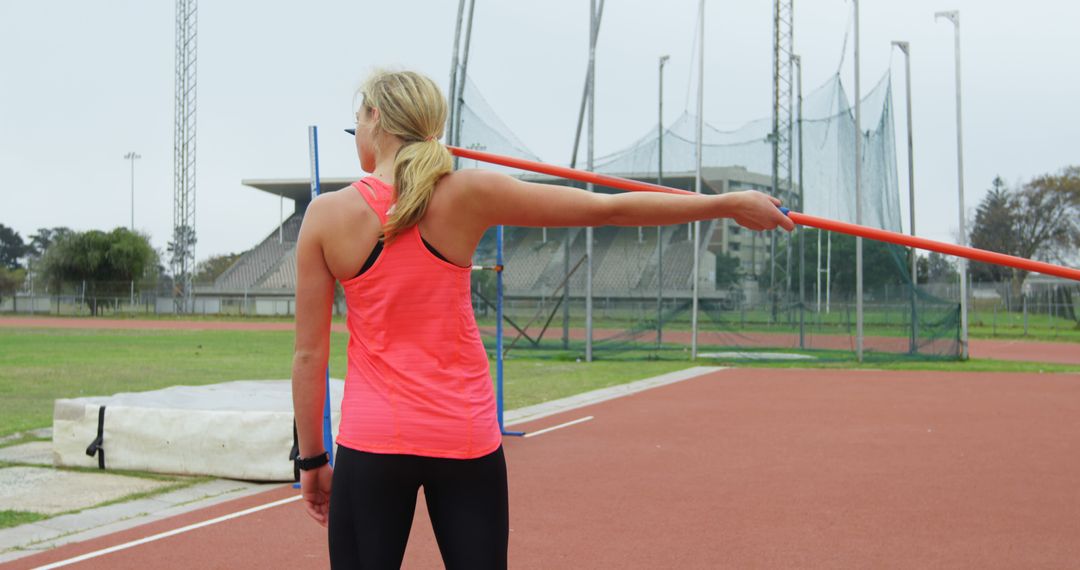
(660, 229)
(802, 206)
(858, 199)
(594, 33)
(954, 17)
(1024, 301)
(817, 279)
(828, 273)
(450, 122)
(459, 97)
(316, 189)
(586, 92)
(590, 137)
(774, 138)
(566, 291)
(905, 47)
(697, 180)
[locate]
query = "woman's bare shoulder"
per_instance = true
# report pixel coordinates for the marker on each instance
(470, 181)
(344, 207)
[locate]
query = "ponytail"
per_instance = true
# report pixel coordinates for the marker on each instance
(418, 166)
(412, 108)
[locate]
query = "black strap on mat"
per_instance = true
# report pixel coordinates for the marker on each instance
(96, 445)
(294, 454)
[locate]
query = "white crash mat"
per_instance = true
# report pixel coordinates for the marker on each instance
(237, 430)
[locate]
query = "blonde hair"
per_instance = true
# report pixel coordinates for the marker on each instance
(412, 108)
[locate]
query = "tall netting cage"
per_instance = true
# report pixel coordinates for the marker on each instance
(793, 296)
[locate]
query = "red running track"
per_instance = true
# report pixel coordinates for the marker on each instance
(149, 324)
(745, 468)
(991, 349)
(1024, 351)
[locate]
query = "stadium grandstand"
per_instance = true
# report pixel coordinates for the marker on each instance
(625, 259)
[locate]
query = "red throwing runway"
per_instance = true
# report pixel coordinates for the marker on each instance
(741, 469)
(994, 349)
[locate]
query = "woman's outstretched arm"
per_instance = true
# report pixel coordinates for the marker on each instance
(498, 199)
(314, 300)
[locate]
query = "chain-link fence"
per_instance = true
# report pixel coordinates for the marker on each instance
(142, 299)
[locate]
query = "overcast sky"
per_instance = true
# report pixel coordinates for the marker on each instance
(83, 83)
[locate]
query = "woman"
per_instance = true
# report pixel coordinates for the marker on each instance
(418, 408)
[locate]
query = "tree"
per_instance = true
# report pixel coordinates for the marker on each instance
(728, 270)
(995, 229)
(210, 269)
(10, 281)
(883, 263)
(1047, 211)
(107, 262)
(40, 241)
(44, 237)
(940, 269)
(12, 248)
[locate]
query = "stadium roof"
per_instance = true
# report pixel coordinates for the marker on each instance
(297, 189)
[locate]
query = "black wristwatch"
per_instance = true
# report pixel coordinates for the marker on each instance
(309, 463)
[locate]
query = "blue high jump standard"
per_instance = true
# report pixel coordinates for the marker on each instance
(499, 331)
(316, 189)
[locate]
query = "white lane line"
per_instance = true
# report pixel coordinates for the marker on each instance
(167, 534)
(560, 426)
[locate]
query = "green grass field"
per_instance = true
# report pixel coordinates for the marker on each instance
(38, 366)
(16, 518)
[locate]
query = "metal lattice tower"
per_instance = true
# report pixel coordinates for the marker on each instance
(783, 126)
(183, 244)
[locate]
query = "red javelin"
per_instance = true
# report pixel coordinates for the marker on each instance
(801, 219)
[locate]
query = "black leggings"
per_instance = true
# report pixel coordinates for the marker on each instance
(374, 498)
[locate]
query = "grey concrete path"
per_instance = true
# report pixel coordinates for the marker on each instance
(48, 491)
(32, 453)
(36, 489)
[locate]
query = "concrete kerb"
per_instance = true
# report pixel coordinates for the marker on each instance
(539, 411)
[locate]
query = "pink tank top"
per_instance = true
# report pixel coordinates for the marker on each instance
(418, 381)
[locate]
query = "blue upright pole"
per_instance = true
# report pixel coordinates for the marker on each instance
(499, 324)
(499, 330)
(316, 189)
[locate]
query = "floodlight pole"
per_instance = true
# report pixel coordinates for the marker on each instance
(905, 47)
(954, 17)
(132, 156)
(660, 229)
(858, 199)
